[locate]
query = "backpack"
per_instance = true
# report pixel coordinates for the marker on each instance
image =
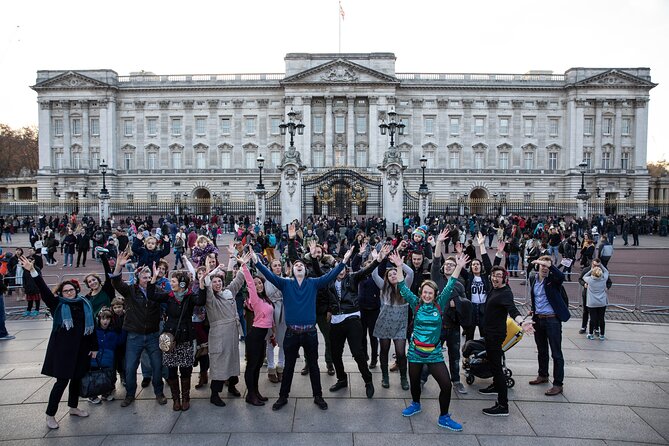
(272, 240)
(561, 247)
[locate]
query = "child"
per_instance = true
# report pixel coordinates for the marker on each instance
(419, 242)
(203, 247)
(148, 252)
(118, 317)
(108, 341)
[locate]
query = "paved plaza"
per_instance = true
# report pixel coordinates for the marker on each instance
(615, 393)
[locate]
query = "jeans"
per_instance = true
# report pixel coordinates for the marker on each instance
(451, 337)
(67, 260)
(348, 330)
(8, 237)
(548, 333)
(291, 344)
(3, 328)
(135, 345)
(145, 361)
(554, 253)
(477, 321)
(493, 347)
(513, 263)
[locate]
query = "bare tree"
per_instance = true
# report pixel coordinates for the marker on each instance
(18, 150)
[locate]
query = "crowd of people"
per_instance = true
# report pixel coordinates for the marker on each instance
(417, 287)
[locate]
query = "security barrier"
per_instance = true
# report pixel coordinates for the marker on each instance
(653, 289)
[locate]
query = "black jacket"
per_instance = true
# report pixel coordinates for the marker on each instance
(461, 314)
(179, 314)
(142, 315)
(498, 306)
(348, 301)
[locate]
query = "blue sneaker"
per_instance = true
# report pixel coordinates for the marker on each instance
(26, 313)
(413, 409)
(34, 313)
(448, 423)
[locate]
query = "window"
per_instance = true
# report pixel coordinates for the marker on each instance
(529, 160)
(625, 160)
(455, 126)
(76, 160)
(318, 158)
(318, 124)
(587, 157)
(200, 126)
(360, 158)
(529, 126)
(626, 126)
(554, 125)
(340, 157)
(274, 126)
(429, 126)
(152, 126)
(429, 155)
(176, 126)
(95, 160)
(250, 125)
(504, 160)
(478, 126)
(588, 126)
(176, 160)
(76, 126)
(606, 160)
(225, 126)
(607, 126)
(128, 161)
(58, 127)
(361, 124)
(454, 160)
(130, 198)
(553, 161)
(153, 198)
(503, 126)
(226, 160)
(406, 120)
(275, 158)
(250, 160)
(551, 198)
(127, 127)
(95, 126)
(58, 160)
(200, 160)
(152, 161)
(340, 122)
(478, 160)
(527, 196)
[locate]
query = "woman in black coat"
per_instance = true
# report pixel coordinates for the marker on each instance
(72, 342)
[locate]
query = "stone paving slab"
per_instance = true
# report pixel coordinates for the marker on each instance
(162, 440)
(658, 419)
(4, 371)
(142, 417)
(290, 439)
(351, 415)
(22, 421)
(385, 439)
(37, 333)
(29, 370)
(67, 441)
(630, 372)
(16, 391)
(489, 440)
(588, 421)
(662, 346)
(610, 345)
(621, 393)
(650, 359)
(20, 345)
(236, 416)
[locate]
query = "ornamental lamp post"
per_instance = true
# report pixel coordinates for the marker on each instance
(291, 127)
(261, 164)
(392, 127)
(583, 196)
(423, 164)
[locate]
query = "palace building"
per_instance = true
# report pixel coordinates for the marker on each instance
(516, 136)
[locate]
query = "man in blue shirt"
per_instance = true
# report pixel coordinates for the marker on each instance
(549, 310)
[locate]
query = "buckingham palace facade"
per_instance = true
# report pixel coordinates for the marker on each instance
(521, 136)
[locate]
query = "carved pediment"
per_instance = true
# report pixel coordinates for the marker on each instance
(340, 71)
(554, 147)
(250, 146)
(128, 148)
(480, 146)
(70, 80)
(454, 147)
(405, 146)
(176, 146)
(225, 146)
(504, 146)
(200, 147)
(529, 146)
(616, 79)
(152, 148)
(274, 146)
(430, 146)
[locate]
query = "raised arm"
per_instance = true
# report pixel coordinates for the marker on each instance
(107, 286)
(323, 281)
(116, 278)
(47, 296)
(250, 285)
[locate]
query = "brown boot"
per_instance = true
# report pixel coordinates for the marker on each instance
(185, 393)
(202, 380)
(272, 376)
(539, 380)
(174, 388)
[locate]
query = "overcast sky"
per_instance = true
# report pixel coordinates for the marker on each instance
(447, 36)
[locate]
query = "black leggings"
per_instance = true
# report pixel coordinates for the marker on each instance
(255, 353)
(30, 305)
(597, 319)
(400, 353)
(57, 392)
(368, 319)
(184, 371)
(439, 372)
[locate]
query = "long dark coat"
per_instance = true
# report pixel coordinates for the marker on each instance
(67, 351)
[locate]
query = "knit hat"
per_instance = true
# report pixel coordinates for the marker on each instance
(421, 230)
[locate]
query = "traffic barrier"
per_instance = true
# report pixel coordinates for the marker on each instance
(653, 289)
(622, 295)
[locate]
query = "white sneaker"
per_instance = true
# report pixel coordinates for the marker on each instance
(95, 400)
(76, 412)
(460, 388)
(51, 422)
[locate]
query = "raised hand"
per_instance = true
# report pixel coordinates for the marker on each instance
(443, 235)
(154, 278)
(462, 260)
(396, 259)
(254, 256)
(374, 254)
(26, 263)
(348, 254)
(363, 247)
(123, 259)
(244, 259)
(501, 245)
(291, 230)
(312, 248)
(385, 250)
(139, 235)
(430, 240)
(458, 248)
(480, 239)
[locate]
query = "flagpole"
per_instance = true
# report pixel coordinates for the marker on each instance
(339, 16)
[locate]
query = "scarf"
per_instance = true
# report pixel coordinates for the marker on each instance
(179, 295)
(62, 317)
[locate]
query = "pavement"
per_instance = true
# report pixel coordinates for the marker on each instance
(615, 393)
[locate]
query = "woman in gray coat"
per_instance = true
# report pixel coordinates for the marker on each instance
(596, 299)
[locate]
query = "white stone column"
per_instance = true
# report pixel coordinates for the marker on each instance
(291, 193)
(582, 208)
(308, 130)
(393, 195)
(67, 136)
(103, 208)
(423, 205)
(350, 131)
(373, 132)
(45, 158)
(597, 152)
(640, 132)
(260, 204)
(617, 136)
(85, 136)
(329, 132)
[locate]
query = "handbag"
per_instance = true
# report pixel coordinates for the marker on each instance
(167, 341)
(97, 382)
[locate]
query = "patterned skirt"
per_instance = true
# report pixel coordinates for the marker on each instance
(392, 322)
(183, 355)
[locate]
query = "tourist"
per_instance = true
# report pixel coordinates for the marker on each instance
(597, 299)
(275, 368)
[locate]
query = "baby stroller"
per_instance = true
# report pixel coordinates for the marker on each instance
(475, 363)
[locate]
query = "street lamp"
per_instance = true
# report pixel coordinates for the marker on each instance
(582, 193)
(291, 127)
(55, 192)
(103, 170)
(261, 163)
(392, 127)
(423, 165)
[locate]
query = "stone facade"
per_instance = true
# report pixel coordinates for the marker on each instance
(521, 136)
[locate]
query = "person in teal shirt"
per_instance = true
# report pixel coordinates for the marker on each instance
(425, 345)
